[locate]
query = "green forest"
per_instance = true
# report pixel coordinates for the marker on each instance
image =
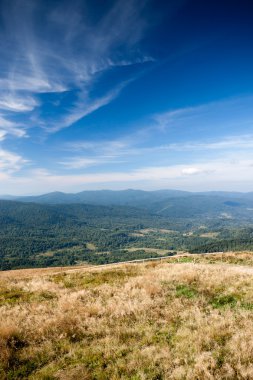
(43, 234)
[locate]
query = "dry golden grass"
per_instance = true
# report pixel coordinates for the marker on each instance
(238, 258)
(27, 273)
(140, 321)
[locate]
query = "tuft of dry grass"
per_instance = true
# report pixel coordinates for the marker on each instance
(159, 320)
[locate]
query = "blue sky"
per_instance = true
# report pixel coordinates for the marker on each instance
(126, 94)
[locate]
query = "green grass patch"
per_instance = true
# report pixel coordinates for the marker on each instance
(13, 296)
(183, 290)
(224, 300)
(247, 306)
(185, 259)
(90, 280)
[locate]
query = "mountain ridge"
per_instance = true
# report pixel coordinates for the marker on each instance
(128, 197)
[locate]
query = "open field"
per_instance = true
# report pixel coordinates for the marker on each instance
(149, 250)
(168, 320)
(161, 230)
(209, 234)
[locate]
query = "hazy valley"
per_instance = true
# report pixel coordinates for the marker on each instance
(100, 227)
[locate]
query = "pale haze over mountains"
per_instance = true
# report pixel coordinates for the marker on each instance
(163, 202)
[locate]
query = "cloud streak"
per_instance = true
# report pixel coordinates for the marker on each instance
(241, 142)
(10, 162)
(8, 127)
(65, 56)
(17, 104)
(225, 113)
(209, 175)
(81, 109)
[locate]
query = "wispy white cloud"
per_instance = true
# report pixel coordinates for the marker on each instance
(10, 162)
(82, 154)
(2, 135)
(64, 56)
(191, 171)
(241, 142)
(81, 109)
(229, 112)
(146, 141)
(25, 83)
(10, 102)
(100, 147)
(82, 162)
(95, 153)
(130, 148)
(8, 127)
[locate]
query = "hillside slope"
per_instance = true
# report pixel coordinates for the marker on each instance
(166, 320)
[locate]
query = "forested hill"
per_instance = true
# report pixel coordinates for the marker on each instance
(29, 213)
(29, 230)
(42, 234)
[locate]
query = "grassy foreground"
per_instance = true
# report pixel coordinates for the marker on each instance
(181, 319)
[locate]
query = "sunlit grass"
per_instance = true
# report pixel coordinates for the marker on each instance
(142, 321)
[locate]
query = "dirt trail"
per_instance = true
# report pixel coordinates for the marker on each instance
(26, 273)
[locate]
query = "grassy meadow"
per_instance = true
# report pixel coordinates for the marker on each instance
(185, 318)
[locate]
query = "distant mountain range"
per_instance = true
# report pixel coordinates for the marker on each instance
(101, 197)
(127, 197)
(167, 203)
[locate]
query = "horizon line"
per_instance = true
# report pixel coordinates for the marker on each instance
(122, 190)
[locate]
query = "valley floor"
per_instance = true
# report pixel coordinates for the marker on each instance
(183, 318)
